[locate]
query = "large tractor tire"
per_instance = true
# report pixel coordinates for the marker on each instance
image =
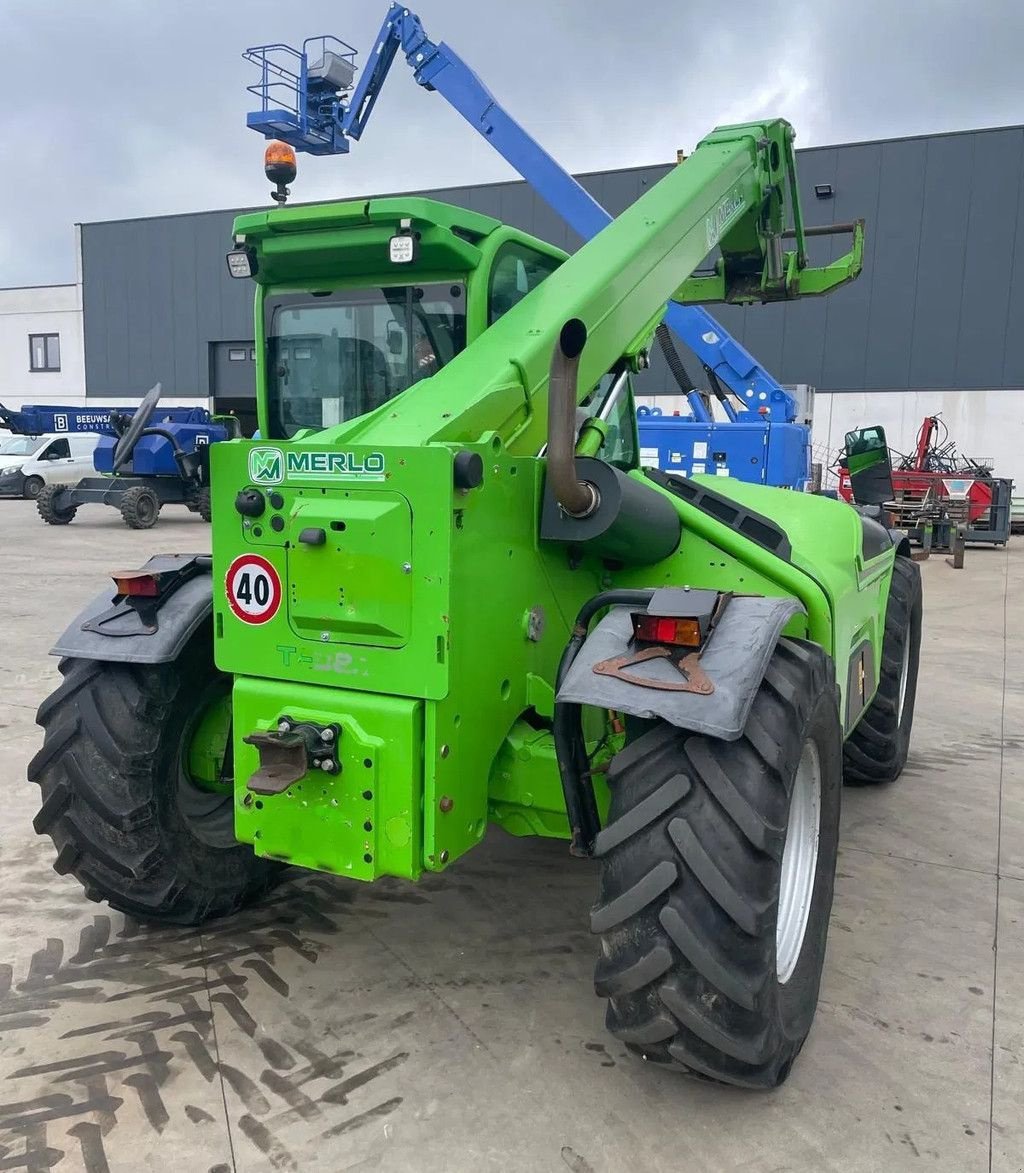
(876, 751)
(140, 507)
(47, 509)
(134, 794)
(717, 869)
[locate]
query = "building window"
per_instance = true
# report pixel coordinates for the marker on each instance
(44, 352)
(236, 354)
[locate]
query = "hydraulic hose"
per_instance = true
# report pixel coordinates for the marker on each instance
(567, 728)
(683, 380)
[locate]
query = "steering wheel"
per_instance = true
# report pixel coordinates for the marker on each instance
(126, 444)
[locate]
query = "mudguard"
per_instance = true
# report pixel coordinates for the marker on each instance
(118, 633)
(735, 659)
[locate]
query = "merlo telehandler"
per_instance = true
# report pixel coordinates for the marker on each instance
(444, 594)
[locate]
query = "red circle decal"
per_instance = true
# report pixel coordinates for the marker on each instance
(253, 589)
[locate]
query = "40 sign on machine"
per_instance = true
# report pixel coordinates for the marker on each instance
(253, 589)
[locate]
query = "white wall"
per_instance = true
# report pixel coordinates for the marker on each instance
(42, 309)
(986, 425)
(50, 309)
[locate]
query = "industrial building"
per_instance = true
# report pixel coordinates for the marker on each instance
(929, 327)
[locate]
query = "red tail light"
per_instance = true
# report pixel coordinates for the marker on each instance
(661, 629)
(136, 583)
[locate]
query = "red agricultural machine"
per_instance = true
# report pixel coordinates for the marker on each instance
(937, 491)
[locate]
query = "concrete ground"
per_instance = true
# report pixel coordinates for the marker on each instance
(451, 1025)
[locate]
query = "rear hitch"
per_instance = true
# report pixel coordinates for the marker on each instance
(290, 751)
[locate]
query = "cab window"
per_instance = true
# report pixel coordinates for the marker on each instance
(620, 446)
(57, 450)
(332, 356)
(517, 269)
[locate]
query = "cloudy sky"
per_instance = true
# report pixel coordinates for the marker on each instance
(124, 108)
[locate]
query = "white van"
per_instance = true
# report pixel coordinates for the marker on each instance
(29, 462)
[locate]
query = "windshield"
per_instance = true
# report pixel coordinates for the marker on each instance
(19, 445)
(334, 356)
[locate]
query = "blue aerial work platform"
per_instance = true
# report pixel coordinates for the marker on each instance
(741, 448)
(307, 98)
(41, 419)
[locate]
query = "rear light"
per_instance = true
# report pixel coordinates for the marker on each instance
(661, 629)
(137, 584)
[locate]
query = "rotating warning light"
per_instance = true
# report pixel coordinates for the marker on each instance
(279, 162)
(280, 168)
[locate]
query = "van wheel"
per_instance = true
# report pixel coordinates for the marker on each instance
(30, 490)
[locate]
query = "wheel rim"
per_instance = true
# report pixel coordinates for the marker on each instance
(205, 793)
(904, 678)
(799, 863)
(32, 488)
(146, 509)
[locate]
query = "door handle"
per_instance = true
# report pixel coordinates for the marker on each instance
(313, 536)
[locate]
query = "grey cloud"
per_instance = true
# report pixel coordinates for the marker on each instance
(136, 108)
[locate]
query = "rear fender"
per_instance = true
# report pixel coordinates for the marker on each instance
(115, 632)
(735, 660)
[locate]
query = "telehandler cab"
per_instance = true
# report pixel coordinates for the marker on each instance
(444, 594)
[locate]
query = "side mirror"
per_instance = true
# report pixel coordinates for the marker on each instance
(869, 466)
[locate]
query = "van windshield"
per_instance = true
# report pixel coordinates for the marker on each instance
(333, 356)
(19, 445)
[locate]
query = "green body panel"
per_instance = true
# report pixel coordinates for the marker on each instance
(430, 621)
(363, 821)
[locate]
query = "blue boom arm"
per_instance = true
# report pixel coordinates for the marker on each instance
(311, 120)
(38, 420)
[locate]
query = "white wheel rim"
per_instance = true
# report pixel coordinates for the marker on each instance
(904, 677)
(799, 863)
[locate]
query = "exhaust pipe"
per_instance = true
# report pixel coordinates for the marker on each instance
(576, 498)
(588, 502)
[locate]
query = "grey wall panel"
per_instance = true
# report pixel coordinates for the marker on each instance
(614, 191)
(945, 211)
(895, 251)
(844, 361)
(940, 302)
(1013, 354)
(158, 312)
(549, 226)
(761, 331)
(515, 206)
(988, 261)
(94, 295)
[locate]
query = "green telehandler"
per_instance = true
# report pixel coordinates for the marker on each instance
(444, 594)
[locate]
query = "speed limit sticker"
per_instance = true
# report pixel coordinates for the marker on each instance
(253, 589)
